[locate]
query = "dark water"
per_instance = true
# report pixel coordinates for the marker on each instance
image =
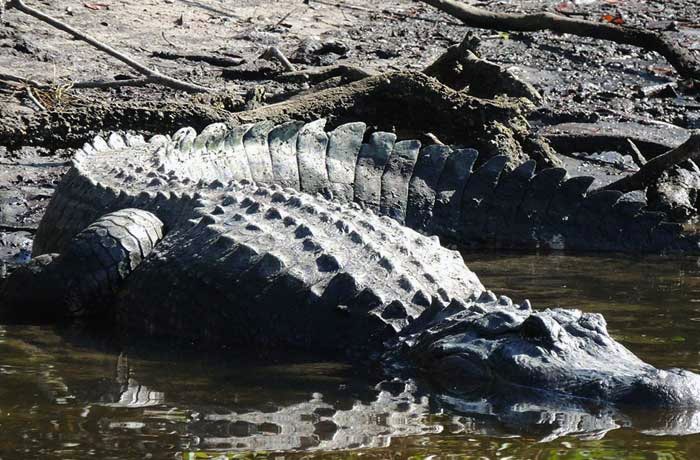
(70, 395)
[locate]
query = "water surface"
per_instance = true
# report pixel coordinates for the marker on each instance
(68, 394)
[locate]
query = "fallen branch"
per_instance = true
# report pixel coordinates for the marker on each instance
(320, 74)
(653, 169)
(434, 139)
(219, 61)
(652, 139)
(134, 82)
(113, 83)
(409, 102)
(679, 57)
(153, 76)
(17, 228)
(273, 53)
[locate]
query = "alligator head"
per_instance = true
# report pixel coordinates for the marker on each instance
(556, 350)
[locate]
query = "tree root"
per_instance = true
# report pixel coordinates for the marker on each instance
(679, 57)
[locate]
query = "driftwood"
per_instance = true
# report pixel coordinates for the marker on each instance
(655, 167)
(150, 75)
(679, 57)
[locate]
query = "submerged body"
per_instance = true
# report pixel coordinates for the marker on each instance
(291, 236)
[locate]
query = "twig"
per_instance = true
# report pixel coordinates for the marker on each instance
(680, 58)
(162, 34)
(396, 14)
(219, 61)
(113, 83)
(17, 228)
(152, 75)
(286, 16)
(137, 82)
(651, 171)
(35, 100)
(341, 5)
(273, 53)
(636, 153)
(434, 139)
(18, 79)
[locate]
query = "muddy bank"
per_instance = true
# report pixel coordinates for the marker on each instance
(27, 181)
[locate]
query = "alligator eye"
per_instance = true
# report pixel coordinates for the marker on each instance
(541, 329)
(594, 322)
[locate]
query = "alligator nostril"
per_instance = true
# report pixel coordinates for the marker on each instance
(541, 329)
(664, 388)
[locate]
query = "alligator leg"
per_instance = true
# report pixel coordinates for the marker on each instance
(87, 276)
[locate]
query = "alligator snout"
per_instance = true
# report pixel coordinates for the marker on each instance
(562, 351)
(670, 388)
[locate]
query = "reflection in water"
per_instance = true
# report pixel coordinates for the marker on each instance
(129, 393)
(315, 424)
(63, 396)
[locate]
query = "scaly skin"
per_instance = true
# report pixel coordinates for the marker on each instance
(435, 189)
(247, 259)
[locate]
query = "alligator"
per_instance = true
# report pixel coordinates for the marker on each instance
(291, 236)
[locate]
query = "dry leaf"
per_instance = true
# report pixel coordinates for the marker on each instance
(96, 6)
(564, 7)
(617, 19)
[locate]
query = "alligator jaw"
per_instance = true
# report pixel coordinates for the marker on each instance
(664, 388)
(558, 351)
